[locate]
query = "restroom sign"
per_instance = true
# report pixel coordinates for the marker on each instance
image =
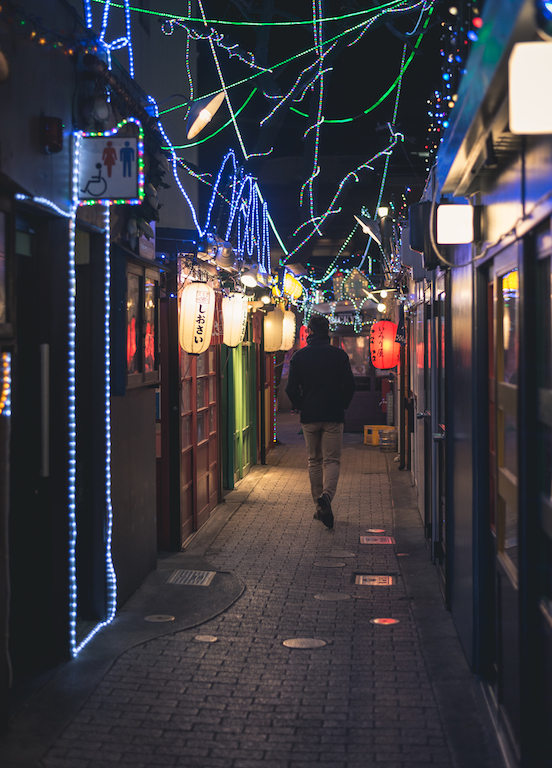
(110, 169)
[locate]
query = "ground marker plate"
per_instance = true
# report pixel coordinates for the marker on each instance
(377, 540)
(384, 622)
(304, 642)
(159, 618)
(332, 597)
(191, 578)
(370, 580)
(205, 639)
(329, 563)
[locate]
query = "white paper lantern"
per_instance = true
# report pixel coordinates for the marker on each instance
(273, 326)
(197, 311)
(234, 317)
(288, 332)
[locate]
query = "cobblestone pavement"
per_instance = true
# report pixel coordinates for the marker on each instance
(247, 701)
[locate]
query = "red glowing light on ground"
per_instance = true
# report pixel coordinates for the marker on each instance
(384, 621)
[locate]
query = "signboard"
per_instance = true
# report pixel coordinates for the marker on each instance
(110, 167)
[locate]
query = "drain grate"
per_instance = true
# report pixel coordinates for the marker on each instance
(191, 578)
(371, 580)
(377, 540)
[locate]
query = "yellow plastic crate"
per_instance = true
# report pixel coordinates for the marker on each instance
(371, 433)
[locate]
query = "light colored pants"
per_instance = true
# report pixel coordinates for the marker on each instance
(323, 440)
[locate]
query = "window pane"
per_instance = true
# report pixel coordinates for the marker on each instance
(211, 353)
(212, 389)
(202, 363)
(213, 419)
(510, 444)
(511, 535)
(201, 390)
(150, 307)
(186, 396)
(510, 314)
(133, 324)
(186, 431)
(185, 364)
(202, 432)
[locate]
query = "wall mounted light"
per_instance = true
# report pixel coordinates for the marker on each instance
(530, 111)
(455, 224)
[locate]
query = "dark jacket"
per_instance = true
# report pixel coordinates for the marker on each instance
(320, 384)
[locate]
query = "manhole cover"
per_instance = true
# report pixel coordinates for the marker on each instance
(370, 580)
(329, 563)
(332, 597)
(191, 578)
(377, 540)
(341, 553)
(159, 618)
(205, 639)
(384, 621)
(375, 530)
(304, 642)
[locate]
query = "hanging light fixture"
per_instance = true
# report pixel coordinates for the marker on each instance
(288, 331)
(273, 328)
(369, 227)
(226, 258)
(197, 312)
(234, 317)
(202, 112)
(249, 277)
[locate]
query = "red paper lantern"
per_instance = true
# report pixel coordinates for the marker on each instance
(384, 350)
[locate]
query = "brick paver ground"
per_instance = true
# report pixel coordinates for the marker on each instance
(247, 701)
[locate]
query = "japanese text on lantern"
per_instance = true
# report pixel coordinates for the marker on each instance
(202, 300)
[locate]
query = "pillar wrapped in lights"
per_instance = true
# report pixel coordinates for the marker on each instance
(288, 331)
(273, 328)
(197, 312)
(234, 317)
(384, 350)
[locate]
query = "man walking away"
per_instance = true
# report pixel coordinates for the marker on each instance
(321, 386)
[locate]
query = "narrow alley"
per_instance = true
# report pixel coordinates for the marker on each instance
(225, 691)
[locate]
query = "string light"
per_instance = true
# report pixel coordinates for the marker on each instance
(5, 396)
(390, 5)
(72, 423)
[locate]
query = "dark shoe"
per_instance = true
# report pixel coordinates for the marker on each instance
(325, 514)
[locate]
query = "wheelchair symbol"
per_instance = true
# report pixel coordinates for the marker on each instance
(97, 182)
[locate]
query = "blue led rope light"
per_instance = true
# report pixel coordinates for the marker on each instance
(110, 571)
(120, 42)
(72, 423)
(174, 161)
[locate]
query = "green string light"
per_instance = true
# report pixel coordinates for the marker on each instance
(368, 12)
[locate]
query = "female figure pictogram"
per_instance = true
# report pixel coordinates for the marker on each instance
(109, 157)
